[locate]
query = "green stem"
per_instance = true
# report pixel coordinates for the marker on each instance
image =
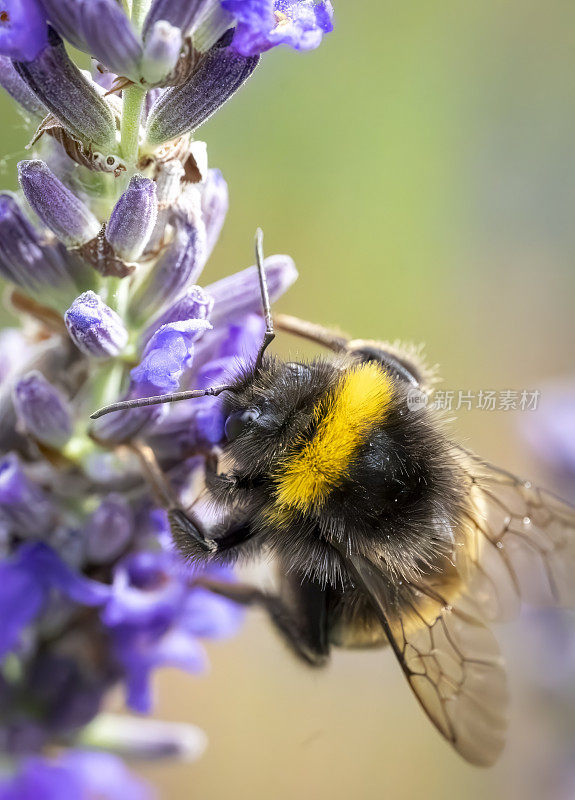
(118, 293)
(133, 103)
(139, 11)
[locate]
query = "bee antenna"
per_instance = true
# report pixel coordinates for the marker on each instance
(175, 397)
(213, 391)
(269, 335)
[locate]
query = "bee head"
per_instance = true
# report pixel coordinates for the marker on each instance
(270, 408)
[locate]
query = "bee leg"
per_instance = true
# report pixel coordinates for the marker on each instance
(404, 366)
(310, 330)
(196, 544)
(299, 614)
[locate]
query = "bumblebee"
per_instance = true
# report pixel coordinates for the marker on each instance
(383, 530)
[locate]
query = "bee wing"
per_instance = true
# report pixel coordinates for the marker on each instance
(450, 659)
(518, 544)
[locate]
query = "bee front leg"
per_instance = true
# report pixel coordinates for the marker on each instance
(196, 544)
(298, 612)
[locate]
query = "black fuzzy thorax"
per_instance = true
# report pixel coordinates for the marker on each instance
(400, 502)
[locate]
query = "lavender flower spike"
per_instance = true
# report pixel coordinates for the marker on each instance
(95, 329)
(42, 409)
(59, 209)
(23, 30)
(161, 52)
(70, 97)
(184, 108)
(133, 219)
(109, 530)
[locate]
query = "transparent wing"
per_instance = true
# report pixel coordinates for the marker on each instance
(517, 544)
(450, 659)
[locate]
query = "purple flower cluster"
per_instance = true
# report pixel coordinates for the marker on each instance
(102, 247)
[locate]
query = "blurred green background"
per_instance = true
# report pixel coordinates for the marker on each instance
(420, 169)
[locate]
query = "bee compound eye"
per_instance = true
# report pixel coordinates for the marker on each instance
(239, 421)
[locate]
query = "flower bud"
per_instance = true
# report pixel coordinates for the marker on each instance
(179, 267)
(110, 37)
(23, 30)
(182, 15)
(215, 203)
(184, 108)
(95, 329)
(168, 186)
(23, 505)
(239, 293)
(133, 219)
(193, 304)
(63, 89)
(139, 738)
(14, 351)
(161, 52)
(213, 23)
(42, 409)
(58, 207)
(64, 16)
(19, 90)
(122, 426)
(24, 259)
(109, 530)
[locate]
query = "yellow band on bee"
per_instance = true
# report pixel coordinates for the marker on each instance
(345, 418)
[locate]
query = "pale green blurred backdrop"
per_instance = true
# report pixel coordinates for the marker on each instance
(420, 168)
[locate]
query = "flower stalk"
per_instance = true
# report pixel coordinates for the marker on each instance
(126, 212)
(132, 108)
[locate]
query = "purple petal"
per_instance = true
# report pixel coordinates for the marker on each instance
(22, 597)
(167, 354)
(208, 616)
(23, 29)
(49, 568)
(74, 774)
(263, 24)
(23, 505)
(238, 294)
